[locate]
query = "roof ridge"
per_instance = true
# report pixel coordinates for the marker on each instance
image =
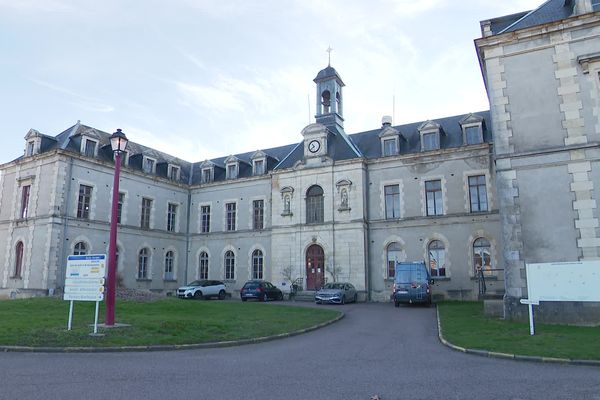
(524, 17)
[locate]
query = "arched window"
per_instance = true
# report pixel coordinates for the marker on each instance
(229, 265)
(482, 256)
(314, 205)
(338, 103)
(143, 264)
(169, 259)
(393, 255)
(437, 258)
(18, 260)
(326, 101)
(203, 266)
(257, 264)
(80, 249)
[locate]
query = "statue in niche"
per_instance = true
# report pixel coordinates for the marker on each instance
(344, 203)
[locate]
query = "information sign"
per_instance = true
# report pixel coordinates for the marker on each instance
(84, 280)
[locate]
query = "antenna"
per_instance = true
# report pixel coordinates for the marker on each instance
(329, 50)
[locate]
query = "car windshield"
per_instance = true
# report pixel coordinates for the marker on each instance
(334, 286)
(197, 283)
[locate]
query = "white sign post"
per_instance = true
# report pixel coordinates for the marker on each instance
(85, 282)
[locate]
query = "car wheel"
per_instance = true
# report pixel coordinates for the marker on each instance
(264, 297)
(344, 299)
(280, 296)
(318, 301)
(222, 295)
(198, 295)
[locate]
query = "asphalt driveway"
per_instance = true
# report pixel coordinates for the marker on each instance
(375, 350)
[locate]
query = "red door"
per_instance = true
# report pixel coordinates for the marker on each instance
(315, 267)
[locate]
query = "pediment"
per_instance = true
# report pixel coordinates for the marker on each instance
(429, 125)
(33, 133)
(471, 119)
(389, 132)
(232, 160)
(258, 154)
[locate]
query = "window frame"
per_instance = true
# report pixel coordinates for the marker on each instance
(146, 212)
(437, 197)
(479, 195)
(85, 147)
(120, 204)
(80, 248)
(207, 175)
(231, 171)
(143, 262)
(174, 172)
(145, 161)
(229, 265)
(432, 253)
(171, 217)
(205, 218)
(84, 201)
(485, 244)
(230, 216)
(315, 205)
(390, 272)
(203, 263)
(258, 214)
(169, 270)
(18, 265)
(258, 263)
(25, 197)
(392, 196)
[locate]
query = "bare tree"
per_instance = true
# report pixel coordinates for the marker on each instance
(334, 270)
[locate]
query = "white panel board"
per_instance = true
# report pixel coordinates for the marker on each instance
(566, 281)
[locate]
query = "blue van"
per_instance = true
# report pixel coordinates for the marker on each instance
(412, 283)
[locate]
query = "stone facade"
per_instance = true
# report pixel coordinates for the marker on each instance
(542, 82)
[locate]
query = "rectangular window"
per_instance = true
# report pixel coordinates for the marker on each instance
(389, 147)
(84, 201)
(90, 148)
(231, 171)
(473, 135)
(230, 209)
(433, 197)
(206, 175)
(173, 173)
(171, 214)
(431, 141)
(148, 165)
(25, 190)
(478, 193)
(146, 209)
(392, 201)
(258, 207)
(259, 167)
(205, 214)
(120, 206)
(30, 148)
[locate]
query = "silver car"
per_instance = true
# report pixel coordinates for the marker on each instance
(203, 289)
(336, 292)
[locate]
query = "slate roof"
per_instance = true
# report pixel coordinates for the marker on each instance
(340, 147)
(327, 73)
(550, 11)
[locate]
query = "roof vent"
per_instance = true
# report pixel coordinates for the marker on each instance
(386, 120)
(583, 7)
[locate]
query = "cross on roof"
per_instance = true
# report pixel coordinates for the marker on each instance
(329, 50)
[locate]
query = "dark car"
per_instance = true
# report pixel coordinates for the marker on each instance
(260, 290)
(412, 283)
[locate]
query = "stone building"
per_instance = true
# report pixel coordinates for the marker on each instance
(339, 206)
(331, 207)
(542, 74)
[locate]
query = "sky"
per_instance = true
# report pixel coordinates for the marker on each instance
(200, 79)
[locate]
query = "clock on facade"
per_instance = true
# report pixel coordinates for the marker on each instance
(314, 146)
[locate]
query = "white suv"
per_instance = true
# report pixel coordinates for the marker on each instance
(204, 289)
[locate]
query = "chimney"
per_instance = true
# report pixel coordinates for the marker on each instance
(486, 28)
(386, 121)
(582, 7)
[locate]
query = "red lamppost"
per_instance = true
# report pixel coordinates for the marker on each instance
(118, 142)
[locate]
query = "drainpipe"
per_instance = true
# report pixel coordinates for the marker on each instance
(333, 222)
(187, 226)
(366, 220)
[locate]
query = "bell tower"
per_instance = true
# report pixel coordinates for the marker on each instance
(330, 101)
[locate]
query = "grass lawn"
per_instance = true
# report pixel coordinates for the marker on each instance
(464, 325)
(43, 322)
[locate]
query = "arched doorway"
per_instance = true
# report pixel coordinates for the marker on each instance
(315, 267)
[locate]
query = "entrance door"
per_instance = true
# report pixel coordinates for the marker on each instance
(315, 267)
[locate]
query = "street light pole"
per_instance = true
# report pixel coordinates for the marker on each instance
(118, 142)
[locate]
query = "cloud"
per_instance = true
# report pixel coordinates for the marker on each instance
(84, 102)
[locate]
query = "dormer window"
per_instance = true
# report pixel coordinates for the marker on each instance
(30, 148)
(472, 127)
(390, 147)
(231, 171)
(430, 136)
(173, 172)
(206, 175)
(89, 147)
(259, 163)
(258, 167)
(124, 158)
(231, 167)
(149, 165)
(390, 138)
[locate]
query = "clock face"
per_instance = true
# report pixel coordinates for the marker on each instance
(314, 146)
